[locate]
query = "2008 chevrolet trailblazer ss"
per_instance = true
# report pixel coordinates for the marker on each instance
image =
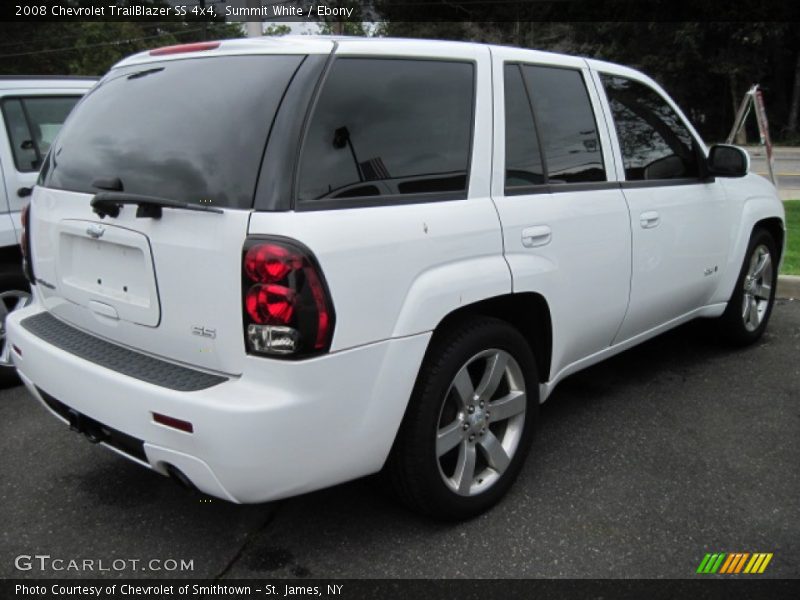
(268, 266)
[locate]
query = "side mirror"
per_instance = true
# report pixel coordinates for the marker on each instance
(727, 161)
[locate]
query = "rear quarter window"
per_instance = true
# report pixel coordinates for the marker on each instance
(388, 130)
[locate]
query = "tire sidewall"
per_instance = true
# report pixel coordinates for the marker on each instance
(10, 280)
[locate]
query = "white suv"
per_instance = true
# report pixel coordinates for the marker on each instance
(268, 266)
(33, 109)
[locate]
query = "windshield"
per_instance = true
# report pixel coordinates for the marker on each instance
(190, 130)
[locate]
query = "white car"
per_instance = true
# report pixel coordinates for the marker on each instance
(268, 266)
(33, 109)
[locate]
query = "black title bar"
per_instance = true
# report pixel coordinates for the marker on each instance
(401, 10)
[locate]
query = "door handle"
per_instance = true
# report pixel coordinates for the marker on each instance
(649, 219)
(538, 235)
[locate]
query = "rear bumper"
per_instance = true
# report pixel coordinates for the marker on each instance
(279, 429)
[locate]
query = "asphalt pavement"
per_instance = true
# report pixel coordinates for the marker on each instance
(642, 464)
(786, 162)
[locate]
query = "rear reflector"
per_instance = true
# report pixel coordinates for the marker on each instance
(181, 48)
(173, 422)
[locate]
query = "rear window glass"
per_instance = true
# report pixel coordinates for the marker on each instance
(32, 124)
(389, 127)
(192, 130)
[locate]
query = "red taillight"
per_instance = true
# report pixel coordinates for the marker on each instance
(270, 304)
(287, 308)
(323, 318)
(25, 243)
(181, 48)
(269, 262)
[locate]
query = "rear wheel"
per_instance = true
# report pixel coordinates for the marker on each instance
(750, 306)
(14, 294)
(469, 422)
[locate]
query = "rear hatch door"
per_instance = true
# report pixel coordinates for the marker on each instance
(191, 131)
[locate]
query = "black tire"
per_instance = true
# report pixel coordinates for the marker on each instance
(733, 324)
(11, 278)
(414, 470)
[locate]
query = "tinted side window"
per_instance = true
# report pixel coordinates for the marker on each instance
(46, 116)
(19, 136)
(523, 157)
(566, 124)
(32, 125)
(654, 141)
(389, 127)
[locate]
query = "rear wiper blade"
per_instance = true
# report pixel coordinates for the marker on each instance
(108, 204)
(144, 73)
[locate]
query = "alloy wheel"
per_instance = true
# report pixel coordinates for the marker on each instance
(757, 288)
(481, 422)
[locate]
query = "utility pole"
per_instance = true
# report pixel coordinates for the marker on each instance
(253, 28)
(203, 16)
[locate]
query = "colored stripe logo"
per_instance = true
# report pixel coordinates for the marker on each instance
(732, 563)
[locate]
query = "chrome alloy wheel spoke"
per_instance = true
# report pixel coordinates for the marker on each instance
(495, 370)
(508, 406)
(764, 263)
(479, 442)
(496, 455)
(462, 385)
(449, 437)
(465, 468)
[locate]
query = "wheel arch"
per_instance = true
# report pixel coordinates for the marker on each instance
(757, 211)
(774, 225)
(528, 312)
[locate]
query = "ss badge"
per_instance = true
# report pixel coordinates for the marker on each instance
(204, 331)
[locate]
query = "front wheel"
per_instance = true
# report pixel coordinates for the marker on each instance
(750, 306)
(469, 422)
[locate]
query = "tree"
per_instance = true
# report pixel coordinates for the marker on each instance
(706, 67)
(92, 47)
(277, 29)
(794, 106)
(336, 25)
